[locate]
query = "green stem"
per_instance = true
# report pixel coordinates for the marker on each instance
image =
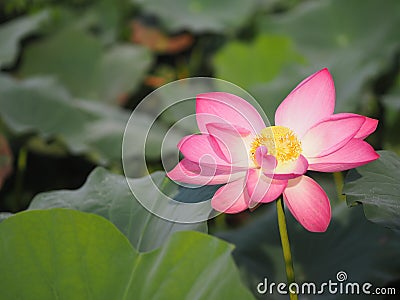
(164, 184)
(338, 179)
(220, 222)
(19, 179)
(285, 245)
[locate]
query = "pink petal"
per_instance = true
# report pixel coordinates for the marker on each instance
(266, 162)
(366, 128)
(261, 151)
(310, 102)
(189, 172)
(231, 198)
(218, 107)
(262, 188)
(199, 149)
(234, 130)
(354, 154)
(229, 140)
(330, 135)
(289, 170)
(308, 203)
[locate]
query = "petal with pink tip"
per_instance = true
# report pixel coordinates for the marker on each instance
(189, 172)
(310, 102)
(330, 135)
(308, 203)
(367, 128)
(231, 198)
(289, 170)
(262, 188)
(354, 154)
(230, 141)
(218, 107)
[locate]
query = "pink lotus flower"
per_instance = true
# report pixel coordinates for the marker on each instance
(260, 163)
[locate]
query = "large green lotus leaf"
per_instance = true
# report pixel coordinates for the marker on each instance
(377, 187)
(200, 15)
(67, 254)
(79, 61)
(366, 252)
(109, 196)
(260, 61)
(11, 33)
(96, 129)
(355, 41)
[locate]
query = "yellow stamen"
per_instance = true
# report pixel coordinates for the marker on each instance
(280, 141)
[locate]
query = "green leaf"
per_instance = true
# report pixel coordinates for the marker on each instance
(260, 61)
(121, 70)
(377, 186)
(13, 32)
(41, 106)
(86, 69)
(356, 42)
(366, 252)
(109, 196)
(109, 17)
(199, 15)
(74, 66)
(68, 254)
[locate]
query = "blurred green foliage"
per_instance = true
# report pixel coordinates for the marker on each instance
(73, 70)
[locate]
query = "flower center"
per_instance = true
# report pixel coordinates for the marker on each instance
(280, 141)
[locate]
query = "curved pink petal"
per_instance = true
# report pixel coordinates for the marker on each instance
(218, 107)
(230, 141)
(330, 135)
(366, 128)
(310, 102)
(199, 149)
(354, 154)
(308, 203)
(266, 162)
(189, 172)
(262, 188)
(289, 170)
(231, 198)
